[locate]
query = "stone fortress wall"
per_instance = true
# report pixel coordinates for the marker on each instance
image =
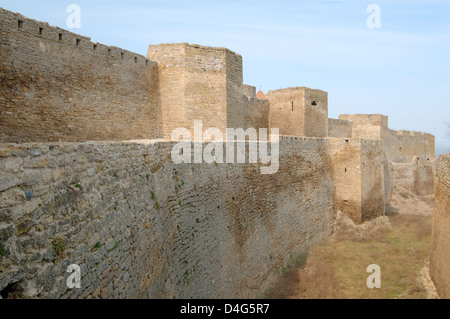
(440, 241)
(60, 86)
(408, 156)
(140, 225)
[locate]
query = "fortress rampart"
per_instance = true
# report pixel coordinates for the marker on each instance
(440, 242)
(85, 160)
(400, 146)
(141, 226)
(59, 86)
(358, 176)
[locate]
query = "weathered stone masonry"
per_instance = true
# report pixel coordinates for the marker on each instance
(142, 226)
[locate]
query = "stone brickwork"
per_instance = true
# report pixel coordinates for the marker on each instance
(299, 111)
(142, 226)
(400, 146)
(372, 180)
(339, 128)
(256, 113)
(368, 126)
(440, 239)
(403, 146)
(59, 86)
(198, 83)
(359, 177)
(408, 157)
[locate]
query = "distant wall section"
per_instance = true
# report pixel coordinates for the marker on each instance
(299, 111)
(60, 86)
(256, 114)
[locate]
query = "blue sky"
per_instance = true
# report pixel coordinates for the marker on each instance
(401, 69)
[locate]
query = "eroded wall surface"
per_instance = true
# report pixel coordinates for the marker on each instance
(59, 86)
(139, 225)
(346, 159)
(440, 240)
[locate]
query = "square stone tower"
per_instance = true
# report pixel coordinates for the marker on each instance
(299, 111)
(359, 177)
(198, 83)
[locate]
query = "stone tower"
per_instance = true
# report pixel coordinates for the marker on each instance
(299, 111)
(198, 83)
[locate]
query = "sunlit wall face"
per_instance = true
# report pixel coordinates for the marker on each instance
(384, 57)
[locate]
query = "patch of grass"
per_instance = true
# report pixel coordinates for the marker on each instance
(270, 293)
(97, 246)
(59, 245)
(157, 206)
(337, 269)
(153, 195)
(187, 274)
(2, 249)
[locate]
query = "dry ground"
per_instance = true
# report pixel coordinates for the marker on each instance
(337, 268)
